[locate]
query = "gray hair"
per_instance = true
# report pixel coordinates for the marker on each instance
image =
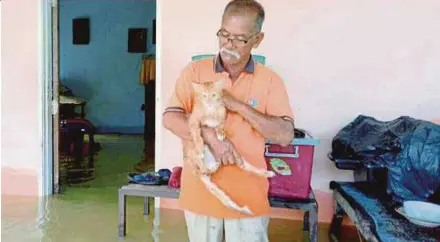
(244, 6)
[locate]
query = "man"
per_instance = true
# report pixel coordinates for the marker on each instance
(258, 110)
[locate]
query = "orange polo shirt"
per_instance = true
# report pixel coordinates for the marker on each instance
(265, 91)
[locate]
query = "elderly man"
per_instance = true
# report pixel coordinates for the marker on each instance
(258, 110)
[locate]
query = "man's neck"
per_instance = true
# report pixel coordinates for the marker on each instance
(235, 70)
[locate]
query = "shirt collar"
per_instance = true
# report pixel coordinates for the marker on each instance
(250, 66)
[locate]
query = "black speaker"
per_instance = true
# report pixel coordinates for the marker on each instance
(137, 40)
(81, 31)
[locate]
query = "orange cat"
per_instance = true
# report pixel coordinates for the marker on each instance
(209, 110)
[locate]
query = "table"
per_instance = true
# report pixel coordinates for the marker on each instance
(73, 101)
(309, 205)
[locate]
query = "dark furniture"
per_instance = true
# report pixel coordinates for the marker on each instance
(72, 144)
(68, 104)
(149, 109)
(374, 215)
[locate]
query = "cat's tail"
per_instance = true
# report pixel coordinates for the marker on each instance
(196, 168)
(245, 165)
(222, 196)
(193, 165)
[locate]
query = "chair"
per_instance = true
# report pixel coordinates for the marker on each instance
(72, 145)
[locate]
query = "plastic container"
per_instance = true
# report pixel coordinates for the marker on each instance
(293, 167)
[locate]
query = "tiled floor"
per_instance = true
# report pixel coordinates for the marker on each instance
(88, 211)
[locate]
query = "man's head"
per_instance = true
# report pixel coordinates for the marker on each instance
(240, 30)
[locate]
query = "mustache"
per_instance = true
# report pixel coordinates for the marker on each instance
(230, 53)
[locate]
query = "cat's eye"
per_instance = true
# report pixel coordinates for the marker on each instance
(204, 95)
(214, 95)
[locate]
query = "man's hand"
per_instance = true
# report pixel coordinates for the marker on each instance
(230, 102)
(223, 151)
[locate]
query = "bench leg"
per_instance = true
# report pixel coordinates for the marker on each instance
(156, 225)
(336, 224)
(122, 213)
(313, 224)
(146, 206)
(306, 221)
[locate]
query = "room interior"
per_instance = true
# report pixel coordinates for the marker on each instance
(107, 89)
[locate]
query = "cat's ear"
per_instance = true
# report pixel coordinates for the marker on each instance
(198, 88)
(219, 84)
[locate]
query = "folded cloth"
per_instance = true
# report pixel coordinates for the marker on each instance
(147, 178)
(174, 181)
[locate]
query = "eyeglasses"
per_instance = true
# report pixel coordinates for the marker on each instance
(224, 36)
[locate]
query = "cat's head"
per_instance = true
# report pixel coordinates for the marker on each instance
(210, 93)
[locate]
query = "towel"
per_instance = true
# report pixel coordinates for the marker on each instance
(148, 71)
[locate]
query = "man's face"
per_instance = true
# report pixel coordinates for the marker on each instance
(237, 36)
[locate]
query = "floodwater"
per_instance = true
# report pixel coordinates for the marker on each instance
(71, 219)
(89, 211)
(95, 218)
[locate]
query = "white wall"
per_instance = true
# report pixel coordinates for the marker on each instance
(338, 58)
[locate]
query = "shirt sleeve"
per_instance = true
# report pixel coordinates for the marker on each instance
(278, 104)
(182, 97)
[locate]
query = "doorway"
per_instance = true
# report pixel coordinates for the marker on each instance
(103, 60)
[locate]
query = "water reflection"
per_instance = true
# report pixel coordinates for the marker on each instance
(61, 218)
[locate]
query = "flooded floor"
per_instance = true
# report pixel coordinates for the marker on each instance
(89, 211)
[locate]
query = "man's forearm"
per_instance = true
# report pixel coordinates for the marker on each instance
(177, 123)
(272, 128)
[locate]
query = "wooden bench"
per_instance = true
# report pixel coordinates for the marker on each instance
(309, 205)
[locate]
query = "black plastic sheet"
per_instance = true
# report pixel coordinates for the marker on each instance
(366, 138)
(409, 148)
(415, 174)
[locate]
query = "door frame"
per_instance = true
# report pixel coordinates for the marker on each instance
(158, 93)
(49, 74)
(55, 94)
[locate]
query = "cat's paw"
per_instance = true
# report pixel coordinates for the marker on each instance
(220, 135)
(270, 174)
(196, 172)
(200, 156)
(246, 210)
(204, 171)
(217, 165)
(213, 168)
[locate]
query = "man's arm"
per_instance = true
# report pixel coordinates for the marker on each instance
(275, 129)
(175, 115)
(276, 124)
(177, 123)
